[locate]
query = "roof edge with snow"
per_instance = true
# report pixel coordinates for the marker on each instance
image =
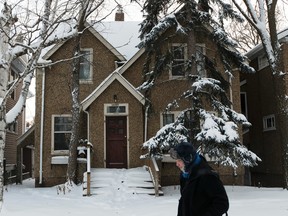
(282, 36)
(98, 36)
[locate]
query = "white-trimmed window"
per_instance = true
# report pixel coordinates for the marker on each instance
(13, 127)
(244, 109)
(61, 132)
(169, 117)
(179, 54)
(262, 62)
(269, 123)
(116, 109)
(86, 69)
(200, 60)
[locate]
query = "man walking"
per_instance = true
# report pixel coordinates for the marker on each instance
(202, 192)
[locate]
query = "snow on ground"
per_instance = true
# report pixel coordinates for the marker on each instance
(26, 200)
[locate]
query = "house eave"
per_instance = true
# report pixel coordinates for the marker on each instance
(105, 84)
(282, 37)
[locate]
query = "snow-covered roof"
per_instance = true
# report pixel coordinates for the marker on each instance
(107, 82)
(282, 35)
(122, 35)
(118, 36)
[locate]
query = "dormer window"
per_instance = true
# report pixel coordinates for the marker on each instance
(86, 69)
(179, 54)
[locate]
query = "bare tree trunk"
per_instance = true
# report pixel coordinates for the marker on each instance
(72, 163)
(280, 89)
(6, 22)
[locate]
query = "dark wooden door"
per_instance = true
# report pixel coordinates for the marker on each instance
(116, 142)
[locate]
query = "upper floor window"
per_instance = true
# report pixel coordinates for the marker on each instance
(269, 123)
(13, 127)
(262, 62)
(179, 54)
(244, 109)
(243, 98)
(62, 129)
(12, 77)
(200, 60)
(86, 69)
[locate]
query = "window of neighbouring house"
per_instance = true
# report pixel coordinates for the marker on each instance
(243, 97)
(269, 123)
(13, 127)
(62, 126)
(262, 62)
(179, 55)
(200, 60)
(12, 77)
(244, 109)
(86, 69)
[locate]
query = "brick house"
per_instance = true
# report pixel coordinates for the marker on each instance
(258, 104)
(113, 117)
(17, 128)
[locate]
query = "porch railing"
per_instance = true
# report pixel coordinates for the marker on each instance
(154, 172)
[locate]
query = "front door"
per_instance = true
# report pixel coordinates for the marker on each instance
(116, 142)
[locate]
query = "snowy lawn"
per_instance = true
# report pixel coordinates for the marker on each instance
(25, 200)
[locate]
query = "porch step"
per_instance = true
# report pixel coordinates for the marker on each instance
(111, 181)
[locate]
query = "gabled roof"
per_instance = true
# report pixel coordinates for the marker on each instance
(106, 83)
(54, 48)
(123, 35)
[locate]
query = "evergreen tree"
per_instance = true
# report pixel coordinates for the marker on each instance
(216, 133)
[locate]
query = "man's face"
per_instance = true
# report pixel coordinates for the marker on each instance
(180, 164)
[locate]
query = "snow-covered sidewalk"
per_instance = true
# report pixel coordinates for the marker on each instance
(25, 200)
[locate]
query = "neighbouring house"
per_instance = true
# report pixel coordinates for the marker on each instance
(15, 129)
(113, 116)
(258, 101)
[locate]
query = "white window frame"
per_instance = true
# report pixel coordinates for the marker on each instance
(175, 113)
(262, 62)
(245, 103)
(106, 106)
(269, 123)
(57, 152)
(184, 45)
(200, 60)
(13, 127)
(90, 59)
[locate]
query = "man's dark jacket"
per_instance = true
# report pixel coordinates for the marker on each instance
(202, 193)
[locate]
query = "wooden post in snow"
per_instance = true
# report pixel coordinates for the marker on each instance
(88, 170)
